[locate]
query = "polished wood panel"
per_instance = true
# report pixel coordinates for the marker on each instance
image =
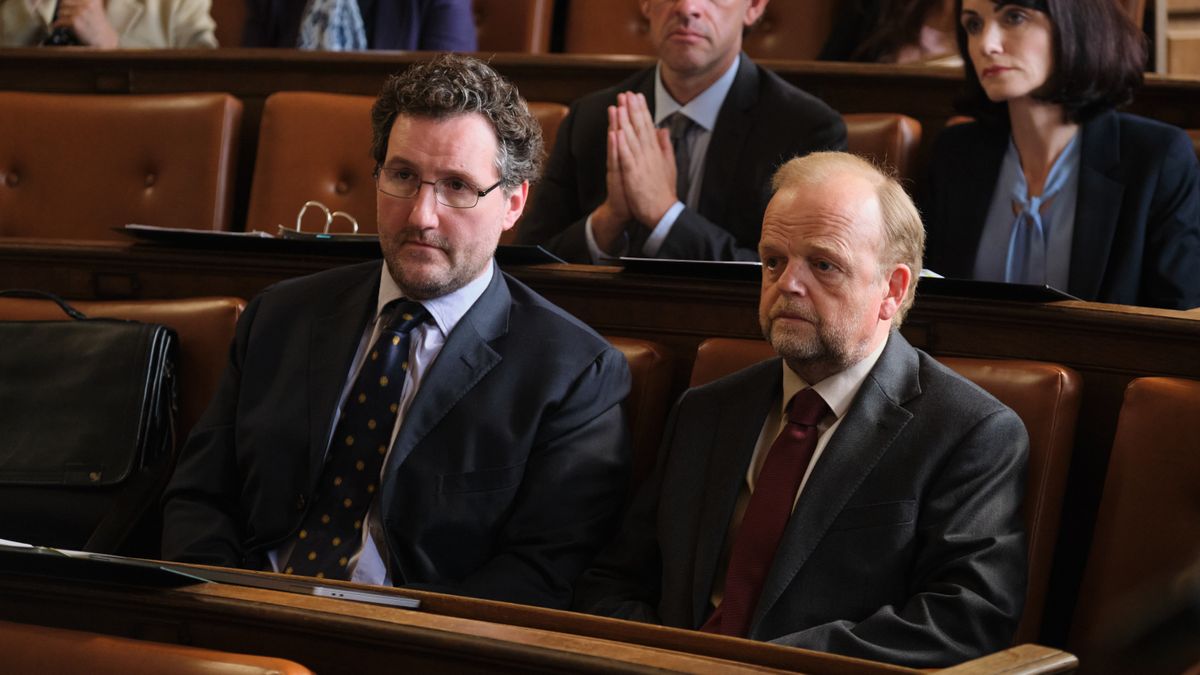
(448, 634)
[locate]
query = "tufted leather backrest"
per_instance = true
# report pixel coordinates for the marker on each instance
(791, 29)
(1148, 526)
(788, 29)
(38, 649)
(318, 146)
(888, 139)
(647, 402)
(514, 25)
(205, 327)
(1046, 398)
(77, 166)
(313, 146)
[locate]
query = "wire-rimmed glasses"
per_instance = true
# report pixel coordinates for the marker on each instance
(453, 192)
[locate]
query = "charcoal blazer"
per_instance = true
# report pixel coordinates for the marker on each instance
(506, 477)
(1137, 216)
(906, 544)
(763, 123)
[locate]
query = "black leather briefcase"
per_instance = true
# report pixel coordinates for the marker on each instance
(87, 416)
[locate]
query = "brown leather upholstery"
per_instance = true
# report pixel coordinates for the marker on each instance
(1046, 398)
(608, 27)
(514, 25)
(318, 146)
(313, 146)
(205, 327)
(791, 29)
(1148, 526)
(37, 649)
(75, 166)
(549, 116)
(1194, 134)
(230, 16)
(888, 139)
(788, 29)
(647, 402)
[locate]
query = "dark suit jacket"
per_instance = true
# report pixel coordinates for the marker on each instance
(429, 25)
(763, 123)
(906, 544)
(508, 473)
(1137, 218)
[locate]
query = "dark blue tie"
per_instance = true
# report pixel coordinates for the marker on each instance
(332, 528)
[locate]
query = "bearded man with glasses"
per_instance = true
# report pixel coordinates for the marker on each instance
(427, 421)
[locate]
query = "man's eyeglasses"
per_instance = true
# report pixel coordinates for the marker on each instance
(453, 192)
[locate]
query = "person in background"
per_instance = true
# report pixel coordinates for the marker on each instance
(107, 24)
(675, 162)
(350, 25)
(1050, 184)
(853, 496)
(893, 31)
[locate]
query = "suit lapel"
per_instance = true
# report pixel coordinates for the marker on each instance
(735, 435)
(1098, 205)
(872, 423)
(335, 333)
(727, 141)
(463, 361)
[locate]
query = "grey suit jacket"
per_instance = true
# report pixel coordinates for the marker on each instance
(506, 477)
(763, 123)
(905, 546)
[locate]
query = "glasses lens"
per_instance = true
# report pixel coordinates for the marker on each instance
(399, 182)
(457, 193)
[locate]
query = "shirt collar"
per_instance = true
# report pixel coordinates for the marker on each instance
(837, 390)
(703, 109)
(447, 310)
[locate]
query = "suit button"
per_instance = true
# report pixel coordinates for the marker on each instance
(301, 502)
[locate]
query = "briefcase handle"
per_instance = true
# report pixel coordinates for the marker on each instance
(45, 295)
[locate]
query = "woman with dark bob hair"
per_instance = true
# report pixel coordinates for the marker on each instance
(1049, 184)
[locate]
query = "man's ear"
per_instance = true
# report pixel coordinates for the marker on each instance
(754, 12)
(515, 204)
(898, 280)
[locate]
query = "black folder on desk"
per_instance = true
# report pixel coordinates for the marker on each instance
(101, 568)
(732, 270)
(990, 290)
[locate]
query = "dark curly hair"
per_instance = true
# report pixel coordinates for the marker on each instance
(1099, 59)
(450, 85)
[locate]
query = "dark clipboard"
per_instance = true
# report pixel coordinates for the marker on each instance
(100, 568)
(728, 270)
(523, 254)
(990, 290)
(361, 247)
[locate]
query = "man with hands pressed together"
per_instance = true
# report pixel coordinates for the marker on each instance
(675, 161)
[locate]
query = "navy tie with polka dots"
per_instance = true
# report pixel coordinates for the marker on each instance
(332, 529)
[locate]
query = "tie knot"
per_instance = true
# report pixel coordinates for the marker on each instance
(807, 408)
(679, 124)
(401, 316)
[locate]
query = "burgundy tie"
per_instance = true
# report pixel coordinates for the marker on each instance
(767, 515)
